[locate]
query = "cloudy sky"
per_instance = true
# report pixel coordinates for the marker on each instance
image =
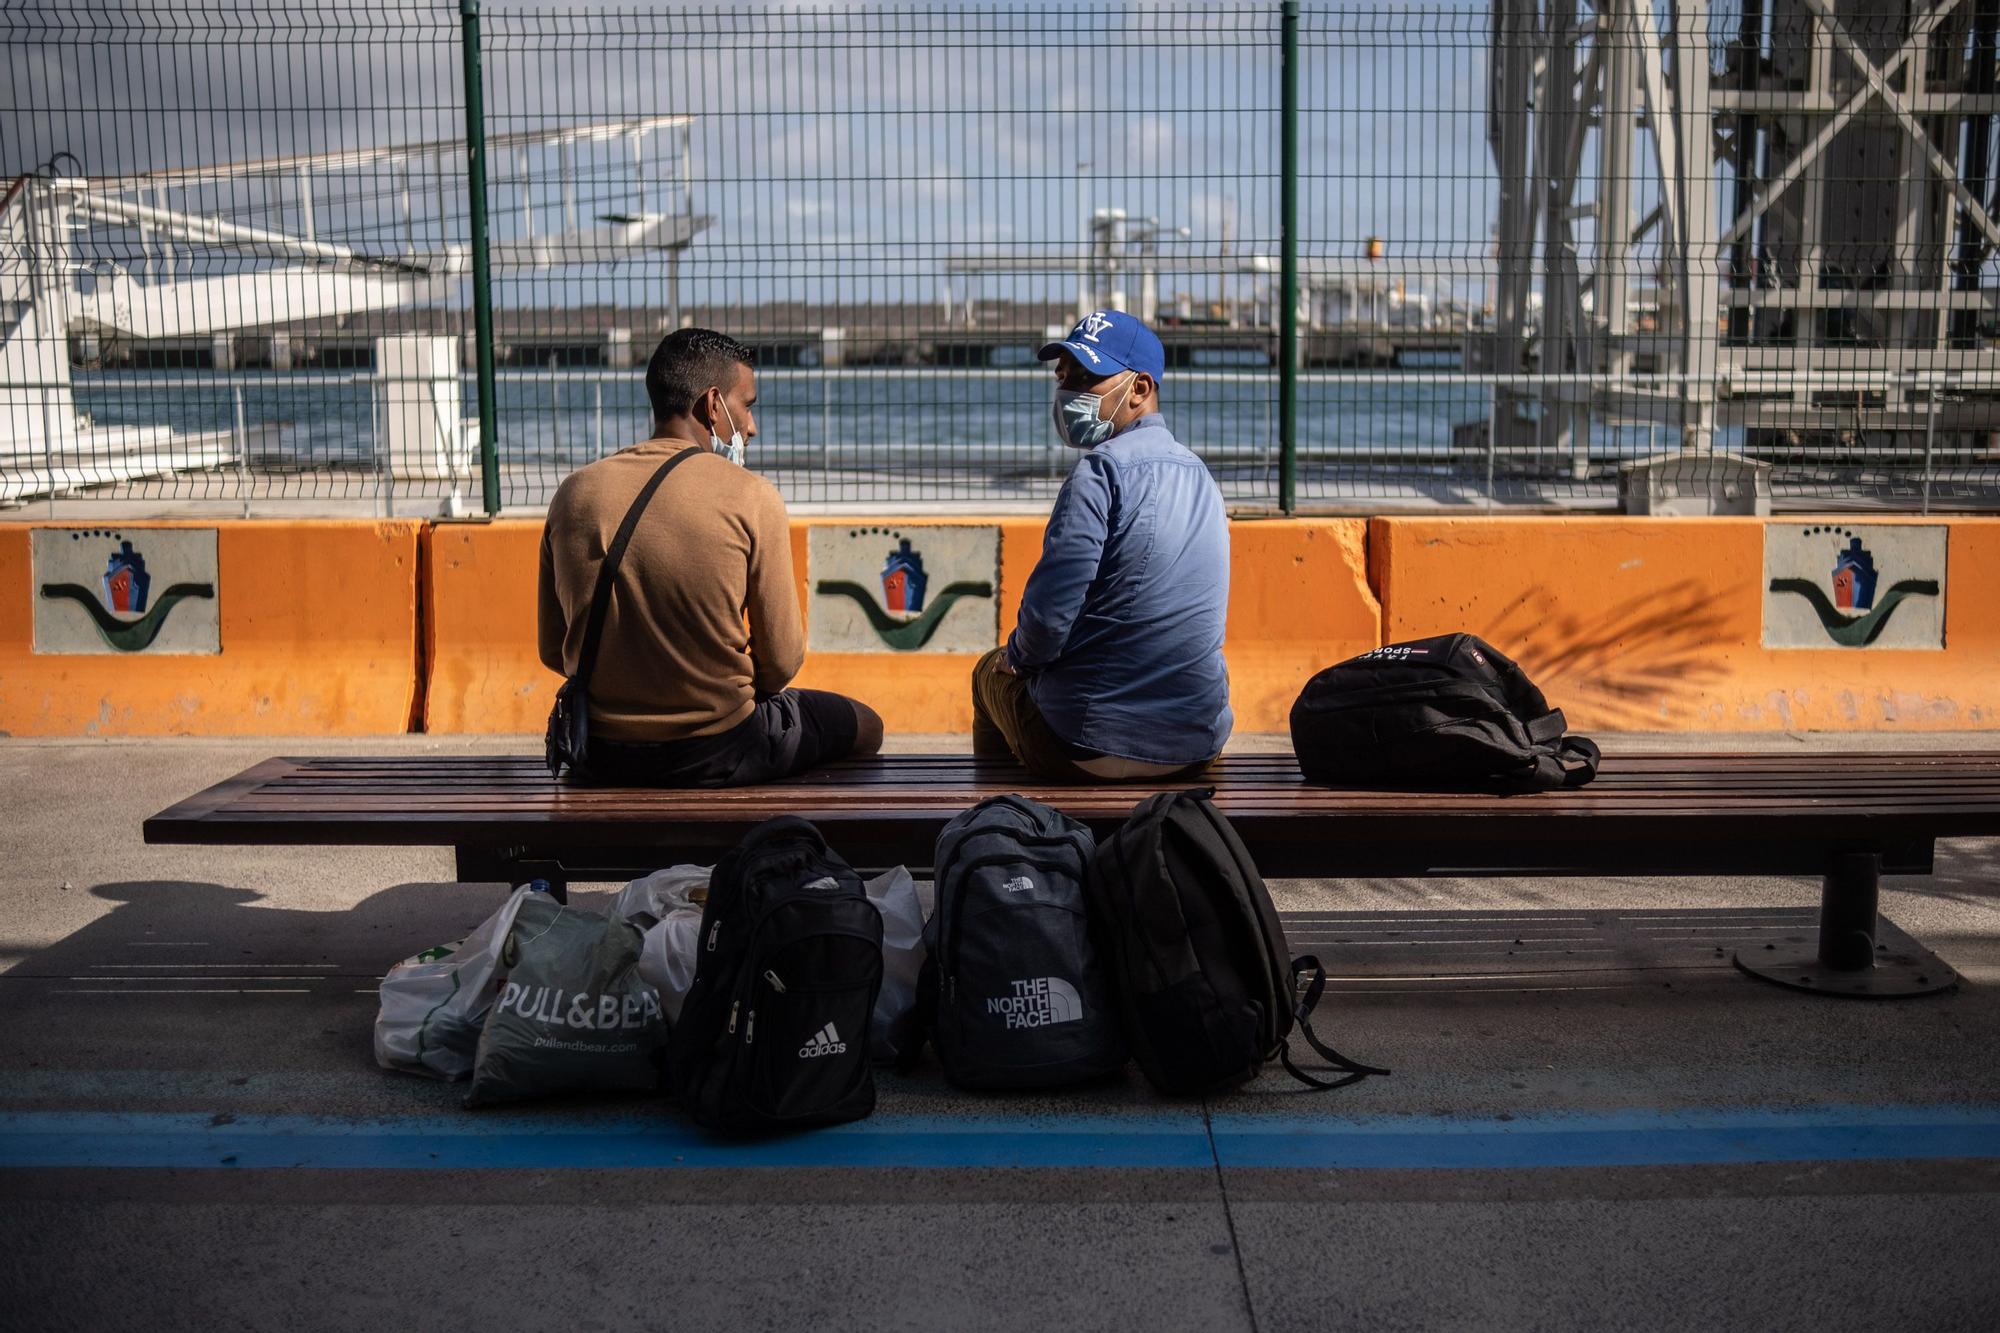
(845, 153)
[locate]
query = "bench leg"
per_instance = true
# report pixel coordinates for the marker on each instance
(485, 865)
(1847, 960)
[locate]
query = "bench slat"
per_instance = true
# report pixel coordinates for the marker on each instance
(1660, 813)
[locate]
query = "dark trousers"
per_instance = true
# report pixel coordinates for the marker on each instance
(1005, 721)
(787, 733)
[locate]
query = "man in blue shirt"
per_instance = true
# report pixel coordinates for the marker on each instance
(1114, 670)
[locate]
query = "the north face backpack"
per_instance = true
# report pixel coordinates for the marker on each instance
(1449, 712)
(1013, 993)
(1197, 953)
(774, 1032)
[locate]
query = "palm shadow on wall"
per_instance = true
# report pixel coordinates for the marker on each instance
(1614, 669)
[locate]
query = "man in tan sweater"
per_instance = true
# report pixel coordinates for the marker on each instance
(703, 633)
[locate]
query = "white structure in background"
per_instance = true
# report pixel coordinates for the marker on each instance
(194, 270)
(1850, 260)
(1332, 294)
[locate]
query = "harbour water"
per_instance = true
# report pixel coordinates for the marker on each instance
(871, 420)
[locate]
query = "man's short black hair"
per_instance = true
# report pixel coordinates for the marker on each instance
(686, 365)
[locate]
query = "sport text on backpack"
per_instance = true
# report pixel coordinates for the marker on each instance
(1450, 712)
(1197, 953)
(774, 1033)
(1013, 993)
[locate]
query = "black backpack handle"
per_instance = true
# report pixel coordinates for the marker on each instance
(1301, 1015)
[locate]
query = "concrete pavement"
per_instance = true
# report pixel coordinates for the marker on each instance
(1613, 1096)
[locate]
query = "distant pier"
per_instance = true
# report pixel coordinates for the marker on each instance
(887, 337)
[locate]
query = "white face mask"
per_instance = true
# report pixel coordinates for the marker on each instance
(1079, 417)
(733, 451)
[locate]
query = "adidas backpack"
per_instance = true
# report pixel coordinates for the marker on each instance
(774, 1032)
(1197, 953)
(1447, 712)
(1013, 993)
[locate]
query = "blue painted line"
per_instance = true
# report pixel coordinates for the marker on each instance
(1158, 1139)
(1633, 1138)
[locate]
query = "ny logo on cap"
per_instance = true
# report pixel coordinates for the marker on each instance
(1093, 324)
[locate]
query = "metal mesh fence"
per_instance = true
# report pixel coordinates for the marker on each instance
(1544, 253)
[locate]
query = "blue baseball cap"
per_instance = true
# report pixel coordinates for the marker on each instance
(1109, 341)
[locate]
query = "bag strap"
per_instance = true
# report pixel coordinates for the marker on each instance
(1249, 895)
(1571, 763)
(1301, 1015)
(1548, 727)
(607, 573)
(1579, 758)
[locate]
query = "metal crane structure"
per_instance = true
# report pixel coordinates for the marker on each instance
(1803, 192)
(214, 250)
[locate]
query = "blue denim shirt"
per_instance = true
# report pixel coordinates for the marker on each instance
(1120, 631)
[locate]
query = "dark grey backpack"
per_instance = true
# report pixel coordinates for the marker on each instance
(1013, 993)
(1451, 712)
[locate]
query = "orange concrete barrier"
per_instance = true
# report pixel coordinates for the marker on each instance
(369, 627)
(1299, 600)
(316, 623)
(479, 629)
(1659, 624)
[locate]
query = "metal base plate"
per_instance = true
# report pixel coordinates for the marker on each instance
(1902, 967)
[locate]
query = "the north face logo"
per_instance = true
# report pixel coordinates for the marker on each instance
(824, 1042)
(1018, 884)
(1037, 1003)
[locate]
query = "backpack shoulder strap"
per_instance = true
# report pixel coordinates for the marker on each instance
(1355, 1070)
(607, 573)
(1570, 761)
(1257, 906)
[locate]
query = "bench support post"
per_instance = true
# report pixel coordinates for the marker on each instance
(485, 865)
(1847, 960)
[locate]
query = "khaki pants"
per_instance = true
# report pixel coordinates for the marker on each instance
(1005, 721)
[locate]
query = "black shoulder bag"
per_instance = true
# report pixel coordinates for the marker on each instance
(569, 721)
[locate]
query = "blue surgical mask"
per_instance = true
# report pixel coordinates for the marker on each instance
(1079, 417)
(733, 451)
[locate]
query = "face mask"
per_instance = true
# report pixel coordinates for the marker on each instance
(733, 451)
(1079, 417)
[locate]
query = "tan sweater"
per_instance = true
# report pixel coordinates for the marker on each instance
(712, 549)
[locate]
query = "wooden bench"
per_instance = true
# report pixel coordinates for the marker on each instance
(1847, 817)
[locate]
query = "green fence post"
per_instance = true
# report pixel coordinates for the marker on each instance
(482, 272)
(1288, 280)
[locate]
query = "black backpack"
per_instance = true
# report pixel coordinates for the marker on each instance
(1197, 954)
(1013, 994)
(774, 1033)
(1448, 712)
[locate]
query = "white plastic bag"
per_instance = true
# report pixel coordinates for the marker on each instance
(895, 897)
(646, 901)
(667, 956)
(435, 1004)
(667, 906)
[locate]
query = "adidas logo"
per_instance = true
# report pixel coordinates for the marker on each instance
(824, 1042)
